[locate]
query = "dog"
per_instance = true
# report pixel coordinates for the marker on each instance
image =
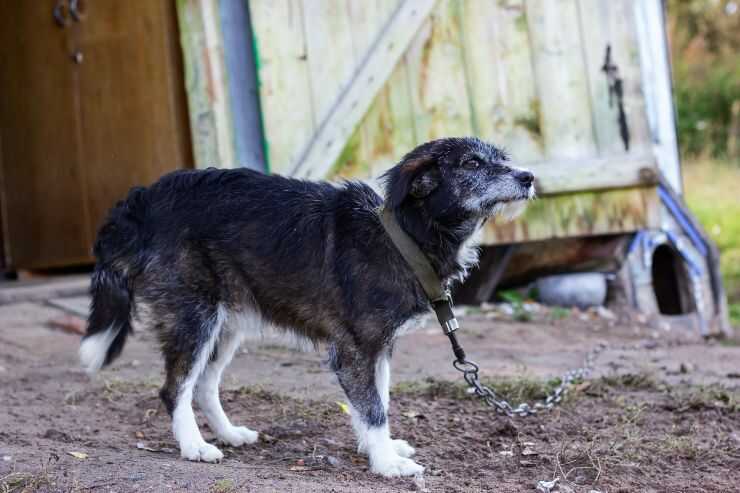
(203, 257)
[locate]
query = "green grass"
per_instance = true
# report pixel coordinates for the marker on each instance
(712, 190)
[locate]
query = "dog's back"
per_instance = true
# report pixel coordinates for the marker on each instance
(232, 237)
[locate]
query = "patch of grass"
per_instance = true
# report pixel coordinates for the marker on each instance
(223, 486)
(636, 381)
(709, 397)
(711, 193)
(559, 312)
(18, 482)
(516, 300)
(514, 390)
(115, 388)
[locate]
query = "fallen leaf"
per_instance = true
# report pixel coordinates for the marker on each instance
(78, 455)
(139, 434)
(344, 407)
(529, 451)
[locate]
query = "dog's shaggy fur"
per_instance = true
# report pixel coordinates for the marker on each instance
(203, 257)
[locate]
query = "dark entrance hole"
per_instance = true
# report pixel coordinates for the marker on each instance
(671, 282)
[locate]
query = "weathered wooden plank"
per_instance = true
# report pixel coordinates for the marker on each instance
(503, 92)
(387, 128)
(566, 120)
(577, 175)
(435, 61)
(205, 83)
(655, 65)
(331, 60)
(580, 214)
(285, 90)
(611, 23)
(385, 133)
(333, 133)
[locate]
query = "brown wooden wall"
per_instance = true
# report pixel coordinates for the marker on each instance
(88, 109)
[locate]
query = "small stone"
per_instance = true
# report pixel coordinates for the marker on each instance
(7, 458)
(332, 461)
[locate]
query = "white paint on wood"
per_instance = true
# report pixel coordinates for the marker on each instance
(577, 175)
(285, 91)
(331, 61)
(213, 44)
(499, 70)
(611, 23)
(566, 121)
(352, 104)
(657, 87)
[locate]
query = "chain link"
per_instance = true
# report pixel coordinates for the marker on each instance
(554, 397)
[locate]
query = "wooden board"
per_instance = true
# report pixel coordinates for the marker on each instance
(120, 150)
(613, 24)
(285, 87)
(440, 102)
(329, 47)
(501, 81)
(580, 214)
(566, 121)
(87, 111)
(46, 218)
(205, 83)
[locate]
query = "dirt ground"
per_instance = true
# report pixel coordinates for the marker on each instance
(665, 418)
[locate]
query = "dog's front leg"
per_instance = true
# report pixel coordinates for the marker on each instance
(365, 379)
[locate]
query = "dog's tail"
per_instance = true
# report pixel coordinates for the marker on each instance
(110, 309)
(110, 319)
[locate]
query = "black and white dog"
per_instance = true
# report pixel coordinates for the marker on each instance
(204, 257)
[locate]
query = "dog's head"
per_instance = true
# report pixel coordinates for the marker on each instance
(459, 177)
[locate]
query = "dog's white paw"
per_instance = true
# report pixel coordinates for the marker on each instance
(395, 466)
(403, 448)
(236, 436)
(202, 452)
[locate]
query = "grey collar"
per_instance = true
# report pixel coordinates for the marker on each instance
(438, 295)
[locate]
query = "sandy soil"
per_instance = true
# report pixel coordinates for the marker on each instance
(659, 419)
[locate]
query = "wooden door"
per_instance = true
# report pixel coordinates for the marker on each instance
(87, 111)
(133, 114)
(45, 218)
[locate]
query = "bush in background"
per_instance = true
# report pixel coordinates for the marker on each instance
(705, 46)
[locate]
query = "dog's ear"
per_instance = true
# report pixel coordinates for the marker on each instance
(417, 177)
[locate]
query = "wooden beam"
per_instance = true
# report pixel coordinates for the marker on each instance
(352, 104)
(205, 83)
(621, 171)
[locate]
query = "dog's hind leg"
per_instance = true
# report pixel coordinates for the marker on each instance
(207, 391)
(188, 348)
(365, 379)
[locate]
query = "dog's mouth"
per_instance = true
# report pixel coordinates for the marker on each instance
(510, 208)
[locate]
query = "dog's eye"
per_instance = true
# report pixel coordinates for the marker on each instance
(471, 164)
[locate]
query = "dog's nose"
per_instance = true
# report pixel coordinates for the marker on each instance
(525, 178)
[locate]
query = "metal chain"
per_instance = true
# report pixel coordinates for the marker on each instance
(470, 373)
